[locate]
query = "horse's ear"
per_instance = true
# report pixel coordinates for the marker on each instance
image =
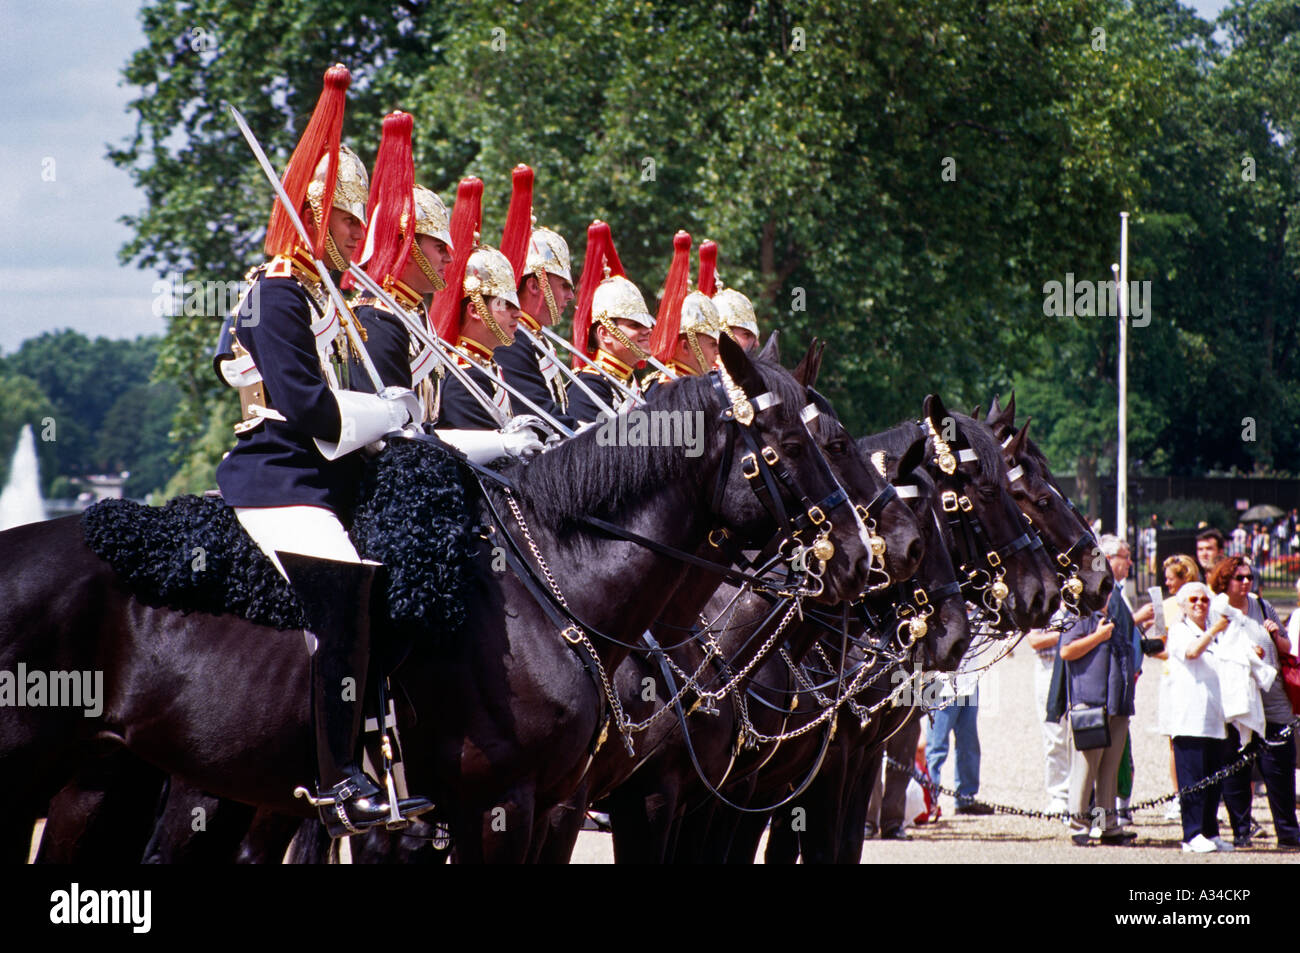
(936, 413)
(913, 457)
(771, 350)
(994, 410)
(740, 367)
(806, 373)
(1004, 418)
(1017, 445)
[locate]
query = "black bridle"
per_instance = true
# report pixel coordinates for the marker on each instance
(981, 559)
(1069, 560)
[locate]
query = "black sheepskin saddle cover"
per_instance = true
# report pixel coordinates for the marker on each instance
(415, 516)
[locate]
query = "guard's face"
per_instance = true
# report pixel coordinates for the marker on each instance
(505, 314)
(745, 338)
(436, 250)
(561, 291)
(347, 231)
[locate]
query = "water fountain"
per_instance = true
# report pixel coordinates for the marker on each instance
(21, 500)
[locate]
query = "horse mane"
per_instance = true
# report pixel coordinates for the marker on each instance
(581, 477)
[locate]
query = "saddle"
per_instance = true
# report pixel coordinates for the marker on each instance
(416, 516)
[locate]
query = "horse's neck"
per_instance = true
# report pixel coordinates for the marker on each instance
(619, 588)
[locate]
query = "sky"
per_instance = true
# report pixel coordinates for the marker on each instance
(64, 104)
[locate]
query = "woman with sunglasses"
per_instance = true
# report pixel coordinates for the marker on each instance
(1277, 757)
(1192, 715)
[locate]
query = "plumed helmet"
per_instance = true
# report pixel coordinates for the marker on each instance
(699, 316)
(431, 216)
(316, 155)
(488, 273)
(351, 184)
(549, 252)
(735, 310)
(616, 298)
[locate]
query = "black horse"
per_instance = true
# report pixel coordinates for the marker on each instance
(742, 643)
(500, 728)
(990, 546)
(1086, 578)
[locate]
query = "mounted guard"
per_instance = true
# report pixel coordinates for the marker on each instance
(539, 258)
(688, 327)
(293, 475)
(611, 327)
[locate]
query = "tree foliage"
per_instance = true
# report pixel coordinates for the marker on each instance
(900, 177)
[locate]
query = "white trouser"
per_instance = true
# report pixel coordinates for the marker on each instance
(308, 530)
(1058, 744)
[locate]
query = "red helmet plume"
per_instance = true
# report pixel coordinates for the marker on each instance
(663, 343)
(391, 212)
(466, 219)
(708, 276)
(519, 220)
(322, 137)
(600, 254)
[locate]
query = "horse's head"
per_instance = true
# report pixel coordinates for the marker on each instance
(883, 515)
(773, 482)
(1085, 575)
(1005, 564)
(934, 594)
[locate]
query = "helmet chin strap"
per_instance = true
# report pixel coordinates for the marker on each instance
(540, 274)
(332, 256)
(693, 340)
(619, 335)
(426, 269)
(484, 315)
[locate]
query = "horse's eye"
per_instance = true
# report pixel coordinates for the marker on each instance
(836, 447)
(988, 492)
(1043, 503)
(792, 450)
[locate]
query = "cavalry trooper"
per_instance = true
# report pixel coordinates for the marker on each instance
(611, 327)
(688, 327)
(540, 259)
(293, 475)
(420, 254)
(478, 312)
(735, 311)
(410, 241)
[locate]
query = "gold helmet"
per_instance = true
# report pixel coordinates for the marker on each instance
(431, 216)
(699, 316)
(735, 310)
(488, 274)
(351, 193)
(548, 252)
(351, 185)
(616, 298)
(432, 219)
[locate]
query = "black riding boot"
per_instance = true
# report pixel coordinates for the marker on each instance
(336, 603)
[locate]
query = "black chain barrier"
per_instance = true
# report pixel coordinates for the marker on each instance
(1247, 758)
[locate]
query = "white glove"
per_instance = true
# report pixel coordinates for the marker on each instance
(403, 406)
(484, 446)
(521, 443)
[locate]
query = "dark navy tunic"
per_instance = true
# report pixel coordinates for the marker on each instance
(521, 366)
(582, 407)
(277, 464)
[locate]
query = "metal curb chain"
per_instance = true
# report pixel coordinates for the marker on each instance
(578, 634)
(1058, 816)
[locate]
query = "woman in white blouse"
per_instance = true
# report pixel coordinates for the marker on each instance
(1191, 714)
